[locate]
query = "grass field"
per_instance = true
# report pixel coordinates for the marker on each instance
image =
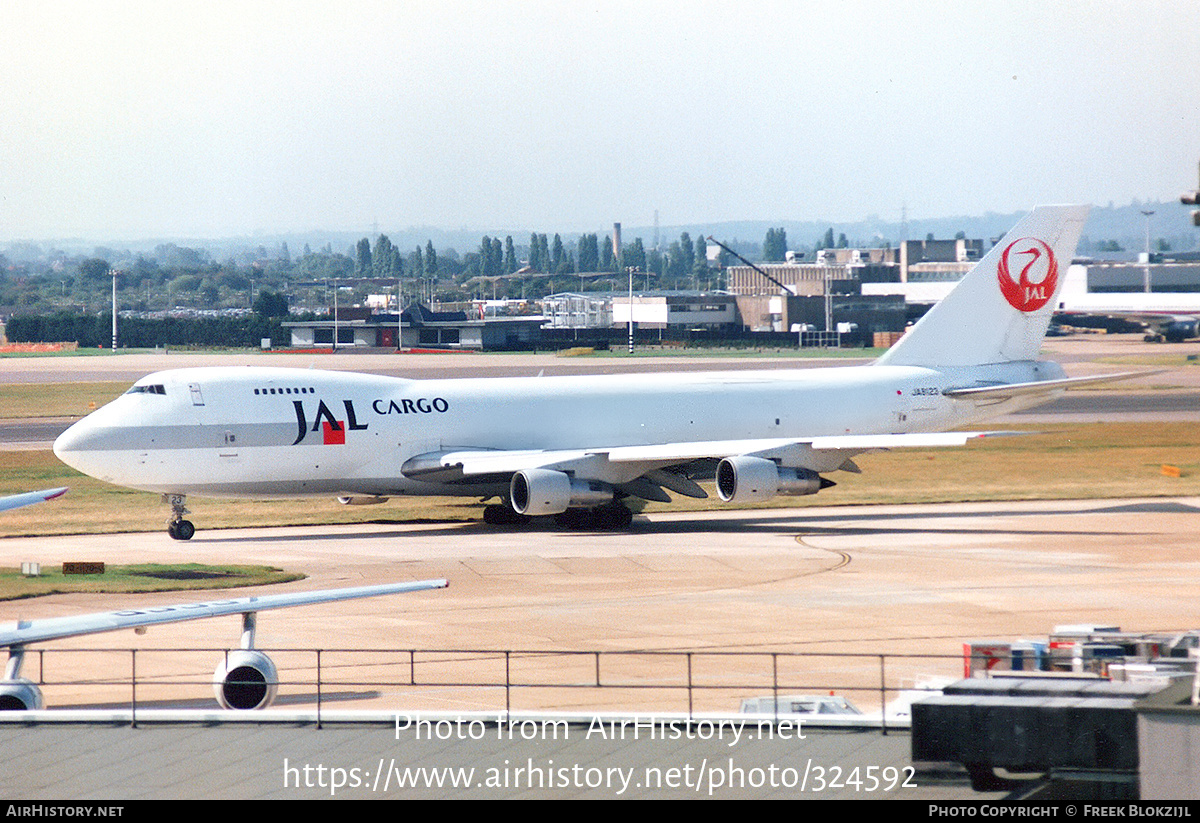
(1157, 359)
(25, 400)
(145, 577)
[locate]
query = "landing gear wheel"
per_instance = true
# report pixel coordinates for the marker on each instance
(503, 516)
(574, 519)
(181, 529)
(613, 517)
(177, 527)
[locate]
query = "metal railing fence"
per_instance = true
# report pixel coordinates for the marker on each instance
(503, 681)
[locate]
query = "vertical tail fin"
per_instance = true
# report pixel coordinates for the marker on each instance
(1000, 310)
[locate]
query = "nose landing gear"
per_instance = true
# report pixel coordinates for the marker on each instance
(177, 527)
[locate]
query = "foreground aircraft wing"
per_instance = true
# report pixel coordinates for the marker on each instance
(16, 501)
(245, 678)
(55, 628)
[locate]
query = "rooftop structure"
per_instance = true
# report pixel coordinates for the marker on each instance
(419, 327)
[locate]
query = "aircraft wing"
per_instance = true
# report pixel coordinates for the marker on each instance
(857, 443)
(16, 501)
(55, 628)
(622, 464)
(1160, 318)
(1156, 316)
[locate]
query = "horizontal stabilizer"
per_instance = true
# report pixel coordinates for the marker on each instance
(1005, 391)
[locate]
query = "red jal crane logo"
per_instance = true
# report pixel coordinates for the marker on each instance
(1038, 279)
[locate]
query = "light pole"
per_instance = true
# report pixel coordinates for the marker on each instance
(1146, 271)
(631, 270)
(335, 315)
(828, 304)
(114, 311)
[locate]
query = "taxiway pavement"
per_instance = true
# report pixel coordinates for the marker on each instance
(890, 580)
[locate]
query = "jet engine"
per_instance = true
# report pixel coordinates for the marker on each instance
(545, 491)
(245, 679)
(20, 694)
(746, 479)
(1179, 330)
(358, 500)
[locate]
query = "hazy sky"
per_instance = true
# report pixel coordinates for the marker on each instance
(125, 120)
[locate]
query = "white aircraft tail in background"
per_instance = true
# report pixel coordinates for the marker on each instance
(576, 447)
(1170, 317)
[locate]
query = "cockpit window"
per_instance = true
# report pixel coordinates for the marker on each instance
(155, 388)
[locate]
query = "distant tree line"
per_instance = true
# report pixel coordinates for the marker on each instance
(775, 246)
(47, 281)
(92, 331)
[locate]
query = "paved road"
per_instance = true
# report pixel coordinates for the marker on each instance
(36, 433)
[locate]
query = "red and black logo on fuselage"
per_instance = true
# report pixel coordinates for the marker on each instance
(333, 431)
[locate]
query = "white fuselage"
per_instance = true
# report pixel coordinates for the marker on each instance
(264, 432)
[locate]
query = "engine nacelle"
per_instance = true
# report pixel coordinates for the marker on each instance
(545, 491)
(1179, 330)
(20, 695)
(362, 501)
(745, 479)
(245, 679)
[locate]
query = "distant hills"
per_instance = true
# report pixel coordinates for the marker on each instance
(1124, 224)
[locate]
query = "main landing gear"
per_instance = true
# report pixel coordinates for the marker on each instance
(495, 515)
(177, 527)
(610, 517)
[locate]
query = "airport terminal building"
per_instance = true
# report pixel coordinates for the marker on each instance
(418, 327)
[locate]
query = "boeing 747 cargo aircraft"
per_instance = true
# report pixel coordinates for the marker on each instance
(576, 447)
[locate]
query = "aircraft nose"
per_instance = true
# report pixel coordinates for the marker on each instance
(72, 444)
(67, 442)
(99, 445)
